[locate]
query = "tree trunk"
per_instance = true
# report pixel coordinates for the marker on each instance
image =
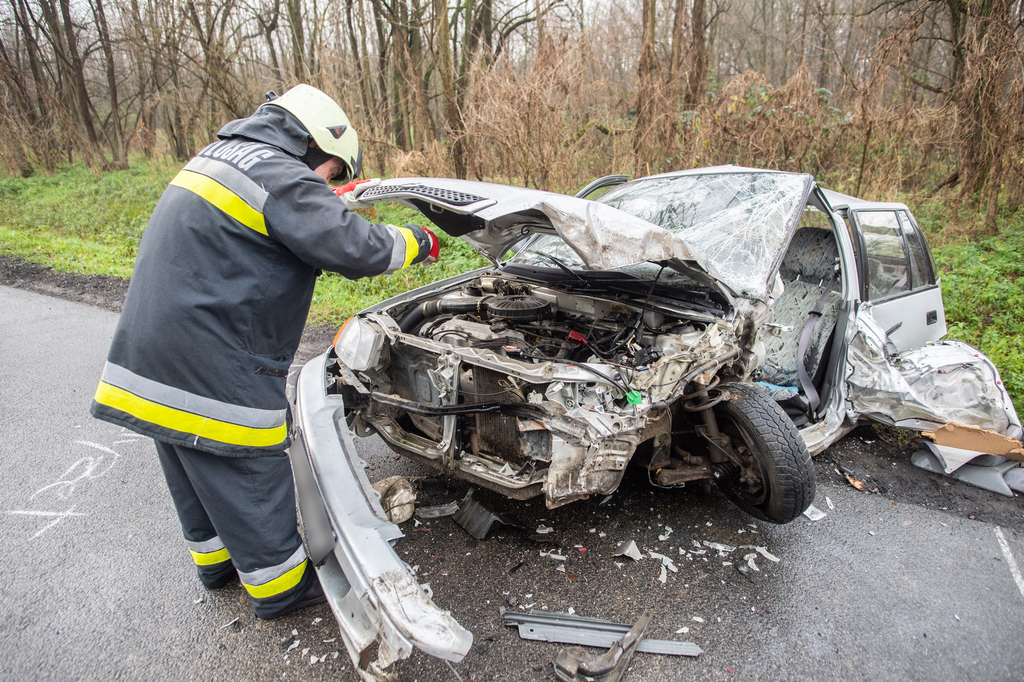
(698, 57)
(117, 139)
(453, 117)
(646, 90)
(91, 148)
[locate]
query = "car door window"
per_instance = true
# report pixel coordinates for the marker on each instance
(921, 272)
(886, 254)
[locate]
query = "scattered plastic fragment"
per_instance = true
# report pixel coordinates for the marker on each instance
(517, 566)
(628, 549)
(749, 558)
(871, 532)
(727, 563)
(593, 530)
(544, 530)
(200, 600)
(437, 511)
(295, 632)
(668, 532)
(602, 534)
(605, 501)
(294, 645)
(665, 561)
(828, 501)
(397, 498)
(553, 555)
(814, 514)
(697, 619)
(316, 620)
(560, 568)
(663, 577)
(720, 547)
(507, 470)
(230, 622)
(682, 631)
(328, 641)
(763, 551)
(477, 517)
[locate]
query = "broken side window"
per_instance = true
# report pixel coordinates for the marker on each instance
(886, 254)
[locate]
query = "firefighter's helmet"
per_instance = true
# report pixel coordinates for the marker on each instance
(326, 122)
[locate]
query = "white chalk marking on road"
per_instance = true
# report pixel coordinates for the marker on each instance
(89, 464)
(1003, 545)
(57, 518)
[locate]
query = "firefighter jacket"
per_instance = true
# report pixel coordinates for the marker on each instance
(222, 286)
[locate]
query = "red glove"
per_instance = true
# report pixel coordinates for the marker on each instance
(349, 186)
(435, 247)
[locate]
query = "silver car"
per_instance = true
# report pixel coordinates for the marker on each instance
(718, 325)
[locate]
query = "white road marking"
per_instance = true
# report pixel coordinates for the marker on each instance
(1017, 578)
(57, 518)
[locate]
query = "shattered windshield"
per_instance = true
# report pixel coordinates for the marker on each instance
(739, 222)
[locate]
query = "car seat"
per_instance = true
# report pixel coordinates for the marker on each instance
(807, 270)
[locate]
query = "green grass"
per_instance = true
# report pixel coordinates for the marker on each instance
(982, 287)
(80, 221)
(89, 223)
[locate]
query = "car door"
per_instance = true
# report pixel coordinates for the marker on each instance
(898, 277)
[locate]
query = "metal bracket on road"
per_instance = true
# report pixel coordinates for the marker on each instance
(566, 628)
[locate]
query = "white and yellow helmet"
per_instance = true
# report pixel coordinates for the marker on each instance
(326, 122)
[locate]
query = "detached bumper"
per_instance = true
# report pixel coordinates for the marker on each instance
(372, 592)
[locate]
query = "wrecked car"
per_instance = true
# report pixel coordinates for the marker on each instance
(716, 326)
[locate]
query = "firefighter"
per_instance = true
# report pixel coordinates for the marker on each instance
(213, 316)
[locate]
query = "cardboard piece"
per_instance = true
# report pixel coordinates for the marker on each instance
(977, 439)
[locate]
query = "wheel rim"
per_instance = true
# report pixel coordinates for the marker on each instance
(750, 483)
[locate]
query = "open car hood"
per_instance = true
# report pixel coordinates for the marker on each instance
(492, 218)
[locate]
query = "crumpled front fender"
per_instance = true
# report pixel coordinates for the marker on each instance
(372, 592)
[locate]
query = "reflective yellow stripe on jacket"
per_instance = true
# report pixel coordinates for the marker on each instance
(223, 198)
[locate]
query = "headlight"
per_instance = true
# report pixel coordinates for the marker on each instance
(358, 344)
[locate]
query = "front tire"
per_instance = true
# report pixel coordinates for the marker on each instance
(776, 482)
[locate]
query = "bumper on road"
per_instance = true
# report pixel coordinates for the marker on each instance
(372, 592)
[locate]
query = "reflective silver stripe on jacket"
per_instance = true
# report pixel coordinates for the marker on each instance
(261, 576)
(398, 250)
(206, 546)
(251, 417)
(232, 178)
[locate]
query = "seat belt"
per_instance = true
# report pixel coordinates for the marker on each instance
(806, 385)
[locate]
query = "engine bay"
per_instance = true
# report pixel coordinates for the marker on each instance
(544, 323)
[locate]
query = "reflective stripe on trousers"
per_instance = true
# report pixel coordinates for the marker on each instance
(275, 580)
(208, 552)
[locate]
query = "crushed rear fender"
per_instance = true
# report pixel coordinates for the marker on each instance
(374, 595)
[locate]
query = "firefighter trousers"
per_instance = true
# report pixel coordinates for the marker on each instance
(238, 515)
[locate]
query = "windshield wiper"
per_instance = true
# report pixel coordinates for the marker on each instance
(562, 265)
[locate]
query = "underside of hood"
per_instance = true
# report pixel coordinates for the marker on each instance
(492, 218)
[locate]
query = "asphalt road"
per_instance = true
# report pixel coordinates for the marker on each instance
(98, 585)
